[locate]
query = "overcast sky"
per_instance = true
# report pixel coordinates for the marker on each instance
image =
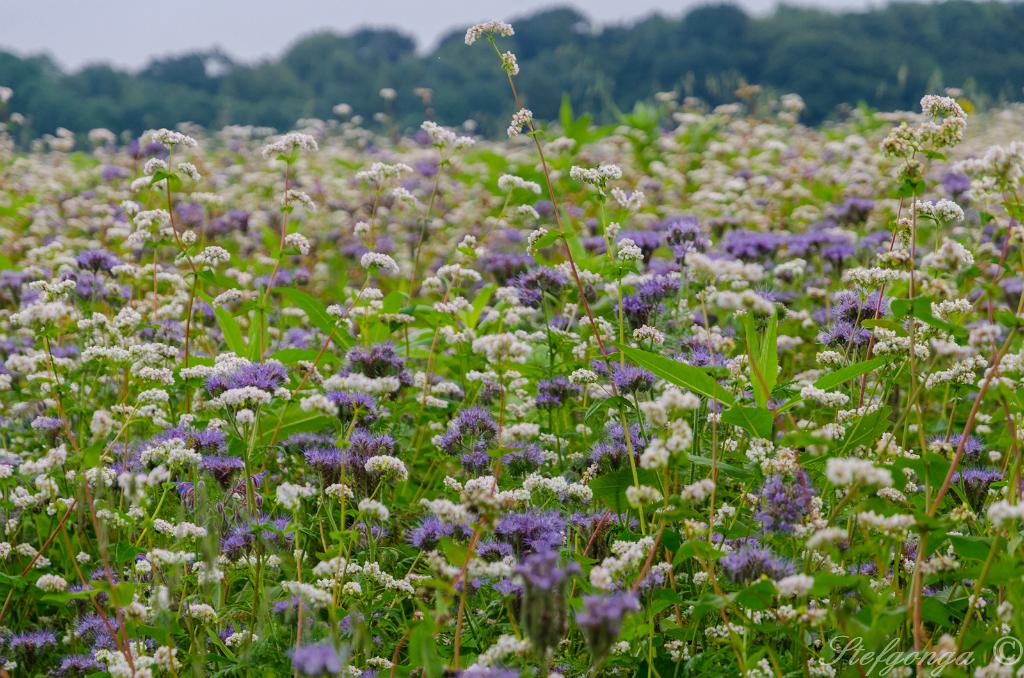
(130, 32)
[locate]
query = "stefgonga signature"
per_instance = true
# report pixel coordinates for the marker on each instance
(850, 651)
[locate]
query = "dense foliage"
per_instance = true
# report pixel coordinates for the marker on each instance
(732, 396)
(885, 57)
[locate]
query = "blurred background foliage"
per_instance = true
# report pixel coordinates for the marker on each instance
(885, 57)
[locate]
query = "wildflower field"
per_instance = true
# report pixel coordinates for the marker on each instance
(703, 393)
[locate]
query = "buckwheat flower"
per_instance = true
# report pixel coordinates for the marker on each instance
(655, 456)
(387, 93)
(213, 256)
(509, 63)
(895, 525)
(941, 106)
(374, 509)
(203, 612)
(598, 176)
(822, 397)
(487, 29)
(945, 212)
(628, 201)
(296, 197)
(826, 537)
(638, 496)
(850, 471)
(298, 241)
(189, 170)
(154, 165)
(387, 467)
(699, 491)
(382, 263)
(629, 251)
(522, 118)
(534, 237)
(443, 137)
(1002, 513)
(290, 495)
(288, 144)
(52, 583)
(583, 376)
(171, 139)
(950, 256)
(509, 182)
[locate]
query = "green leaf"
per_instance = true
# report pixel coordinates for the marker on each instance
(232, 331)
(866, 430)
(757, 421)
(692, 378)
(611, 487)
(296, 421)
(756, 596)
(547, 240)
(423, 651)
(762, 350)
(833, 379)
(970, 547)
(472, 316)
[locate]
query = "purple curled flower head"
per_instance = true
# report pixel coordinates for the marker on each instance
(316, 660)
(854, 211)
(543, 570)
(600, 620)
(268, 376)
(472, 430)
(531, 286)
(531, 531)
(552, 393)
(751, 560)
(784, 501)
(32, 641)
(630, 379)
(221, 467)
(96, 260)
(975, 483)
(746, 244)
(360, 406)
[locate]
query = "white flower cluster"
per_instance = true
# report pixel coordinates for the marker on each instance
(822, 397)
(522, 118)
(288, 143)
(843, 472)
(597, 176)
(699, 491)
(488, 28)
(626, 558)
(290, 495)
(383, 263)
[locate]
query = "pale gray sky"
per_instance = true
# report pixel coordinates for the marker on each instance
(129, 32)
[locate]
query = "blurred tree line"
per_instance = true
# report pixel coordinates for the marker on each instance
(885, 57)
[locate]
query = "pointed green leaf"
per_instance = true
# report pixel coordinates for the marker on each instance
(756, 420)
(833, 379)
(687, 376)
